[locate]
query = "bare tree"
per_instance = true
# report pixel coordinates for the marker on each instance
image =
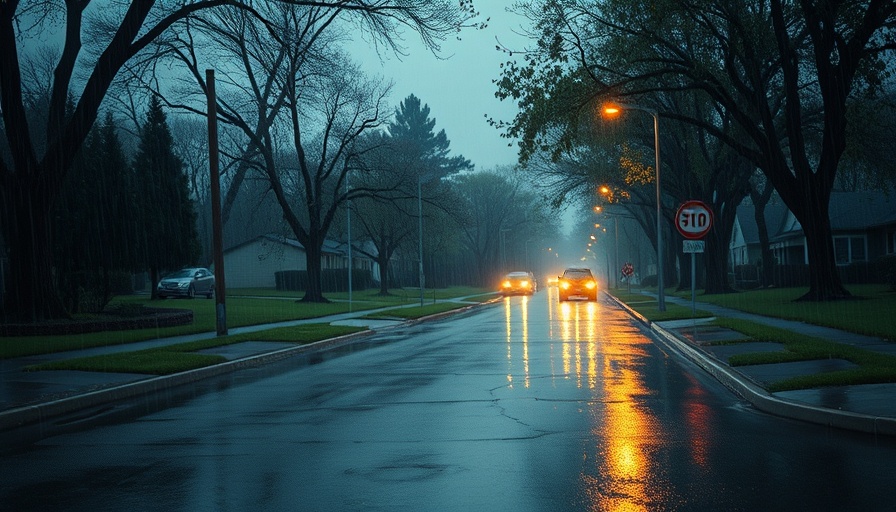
(30, 179)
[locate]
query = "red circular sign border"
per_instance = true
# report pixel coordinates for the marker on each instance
(693, 236)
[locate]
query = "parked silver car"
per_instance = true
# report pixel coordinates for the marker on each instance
(187, 282)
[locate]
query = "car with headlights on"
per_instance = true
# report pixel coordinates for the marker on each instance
(577, 283)
(518, 283)
(187, 282)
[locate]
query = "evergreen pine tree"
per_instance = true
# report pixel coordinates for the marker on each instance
(166, 219)
(92, 223)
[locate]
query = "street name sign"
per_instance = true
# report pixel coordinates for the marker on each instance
(693, 246)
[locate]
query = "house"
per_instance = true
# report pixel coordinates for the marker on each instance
(863, 226)
(254, 263)
(745, 247)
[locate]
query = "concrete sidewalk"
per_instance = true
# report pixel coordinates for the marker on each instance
(866, 407)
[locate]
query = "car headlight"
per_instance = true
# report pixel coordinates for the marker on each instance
(183, 284)
(564, 285)
(590, 285)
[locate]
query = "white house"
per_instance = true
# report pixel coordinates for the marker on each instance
(254, 263)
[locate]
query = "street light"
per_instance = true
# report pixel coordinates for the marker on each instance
(612, 110)
(420, 275)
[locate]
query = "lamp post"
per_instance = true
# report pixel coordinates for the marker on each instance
(611, 110)
(348, 221)
(420, 234)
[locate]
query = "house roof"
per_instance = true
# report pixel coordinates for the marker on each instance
(861, 210)
(774, 213)
(852, 211)
(329, 246)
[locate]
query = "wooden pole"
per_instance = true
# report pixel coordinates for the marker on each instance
(217, 229)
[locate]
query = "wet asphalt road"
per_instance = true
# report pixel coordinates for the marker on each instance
(524, 405)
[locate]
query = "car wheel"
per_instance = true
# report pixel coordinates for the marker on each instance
(191, 292)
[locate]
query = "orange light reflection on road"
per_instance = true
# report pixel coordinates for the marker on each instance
(621, 421)
(600, 354)
(698, 415)
(524, 332)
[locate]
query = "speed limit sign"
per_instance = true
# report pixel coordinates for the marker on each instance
(693, 219)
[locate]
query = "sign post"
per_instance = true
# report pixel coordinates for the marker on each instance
(628, 270)
(693, 220)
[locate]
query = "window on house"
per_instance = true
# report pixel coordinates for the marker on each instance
(848, 249)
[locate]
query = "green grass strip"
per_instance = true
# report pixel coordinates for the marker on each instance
(873, 367)
(182, 356)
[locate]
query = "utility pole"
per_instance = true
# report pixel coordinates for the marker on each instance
(217, 230)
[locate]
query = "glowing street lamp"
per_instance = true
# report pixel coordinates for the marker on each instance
(611, 111)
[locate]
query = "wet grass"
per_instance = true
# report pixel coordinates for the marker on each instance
(182, 356)
(873, 368)
(247, 307)
(869, 312)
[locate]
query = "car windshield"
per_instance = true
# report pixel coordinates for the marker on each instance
(577, 274)
(187, 272)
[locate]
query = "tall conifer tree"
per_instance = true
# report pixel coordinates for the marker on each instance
(166, 218)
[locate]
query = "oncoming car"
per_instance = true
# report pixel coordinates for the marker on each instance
(577, 283)
(516, 283)
(187, 282)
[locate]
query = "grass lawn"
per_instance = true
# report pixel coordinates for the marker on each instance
(871, 312)
(245, 308)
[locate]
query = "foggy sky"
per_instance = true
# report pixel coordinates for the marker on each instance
(458, 88)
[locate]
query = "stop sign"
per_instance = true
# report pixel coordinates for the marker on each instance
(693, 219)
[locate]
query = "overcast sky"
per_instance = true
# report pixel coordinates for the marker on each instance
(459, 88)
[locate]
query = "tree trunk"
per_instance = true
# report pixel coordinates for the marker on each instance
(383, 261)
(824, 279)
(760, 201)
(27, 224)
(716, 256)
(153, 282)
(314, 292)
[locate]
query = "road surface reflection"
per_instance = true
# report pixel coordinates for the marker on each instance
(601, 353)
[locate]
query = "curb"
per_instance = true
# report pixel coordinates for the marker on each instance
(31, 414)
(759, 397)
